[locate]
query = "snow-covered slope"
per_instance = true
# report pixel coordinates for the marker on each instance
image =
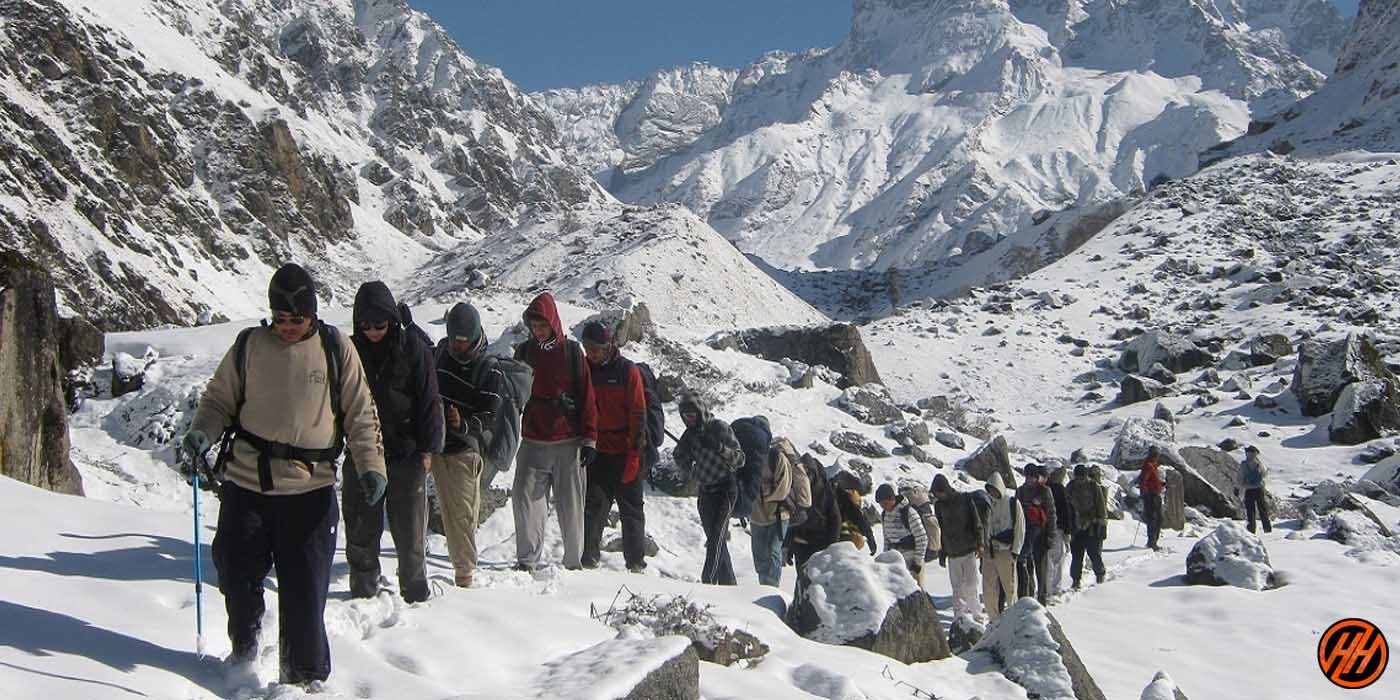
(162, 157)
(938, 129)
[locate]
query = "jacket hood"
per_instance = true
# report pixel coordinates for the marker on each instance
(1059, 475)
(544, 307)
(373, 302)
(689, 400)
(996, 482)
(940, 485)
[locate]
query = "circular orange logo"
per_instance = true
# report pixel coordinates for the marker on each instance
(1352, 653)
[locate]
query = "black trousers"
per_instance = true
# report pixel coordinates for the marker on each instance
(296, 535)
(406, 501)
(1031, 564)
(716, 503)
(604, 488)
(1152, 515)
(801, 552)
(1256, 504)
(1082, 541)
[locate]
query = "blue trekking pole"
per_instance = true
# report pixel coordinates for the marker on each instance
(198, 566)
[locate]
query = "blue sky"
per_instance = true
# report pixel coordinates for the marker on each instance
(568, 43)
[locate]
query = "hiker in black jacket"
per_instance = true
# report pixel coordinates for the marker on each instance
(399, 367)
(820, 529)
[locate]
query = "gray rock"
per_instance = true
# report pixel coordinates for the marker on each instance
(870, 404)
(1269, 348)
(1265, 402)
(837, 346)
(664, 668)
(1174, 352)
(994, 456)
(857, 444)
(1364, 411)
(1211, 479)
(1210, 377)
(1162, 413)
(1174, 504)
(649, 548)
(1324, 369)
(1017, 644)
(950, 440)
(1161, 374)
(34, 440)
(1376, 453)
(79, 343)
(964, 634)
(1134, 389)
(922, 455)
(1137, 436)
(727, 647)
(909, 433)
(1236, 383)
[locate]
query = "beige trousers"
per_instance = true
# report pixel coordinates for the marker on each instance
(998, 575)
(458, 479)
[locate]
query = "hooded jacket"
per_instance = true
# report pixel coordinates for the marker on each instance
(548, 414)
(401, 377)
(1086, 501)
(1150, 478)
(622, 407)
(1006, 524)
(960, 524)
(286, 399)
(708, 452)
(904, 529)
(1253, 472)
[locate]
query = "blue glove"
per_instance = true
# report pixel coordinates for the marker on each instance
(373, 484)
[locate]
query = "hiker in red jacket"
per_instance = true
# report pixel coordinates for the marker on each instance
(559, 434)
(1151, 487)
(615, 474)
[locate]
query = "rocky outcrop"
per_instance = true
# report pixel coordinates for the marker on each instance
(33, 415)
(837, 346)
(1325, 368)
(994, 456)
(1211, 478)
(1032, 651)
(664, 668)
(1230, 555)
(1174, 352)
(1365, 410)
(858, 444)
(1134, 389)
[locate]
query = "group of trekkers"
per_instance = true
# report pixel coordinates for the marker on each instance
(578, 421)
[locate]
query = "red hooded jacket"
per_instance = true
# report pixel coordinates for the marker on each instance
(546, 419)
(622, 407)
(1150, 479)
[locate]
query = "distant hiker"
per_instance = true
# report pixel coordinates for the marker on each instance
(782, 491)
(963, 527)
(291, 396)
(855, 527)
(559, 437)
(815, 529)
(1088, 520)
(903, 528)
(615, 474)
(1038, 504)
(709, 453)
(1006, 533)
(400, 369)
(1059, 534)
(1256, 501)
(473, 391)
(1151, 486)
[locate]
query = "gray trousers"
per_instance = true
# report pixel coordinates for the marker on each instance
(539, 468)
(406, 502)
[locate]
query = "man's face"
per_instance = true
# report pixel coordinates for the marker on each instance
(291, 327)
(887, 504)
(540, 329)
(374, 331)
(461, 350)
(691, 418)
(597, 354)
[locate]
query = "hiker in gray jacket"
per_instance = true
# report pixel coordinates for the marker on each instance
(1252, 475)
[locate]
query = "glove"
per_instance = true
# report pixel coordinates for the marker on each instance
(943, 560)
(788, 559)
(1237, 493)
(872, 546)
(195, 443)
(586, 455)
(374, 485)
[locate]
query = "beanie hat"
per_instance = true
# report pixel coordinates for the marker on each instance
(463, 323)
(1081, 471)
(292, 290)
(885, 491)
(374, 302)
(595, 333)
(941, 484)
(1251, 448)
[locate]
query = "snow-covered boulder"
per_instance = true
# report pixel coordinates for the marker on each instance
(1365, 410)
(1138, 435)
(1230, 556)
(837, 346)
(1174, 352)
(663, 668)
(1386, 474)
(952, 441)
(869, 403)
(1268, 348)
(1134, 389)
(129, 373)
(1325, 368)
(964, 634)
(992, 457)
(1032, 651)
(875, 604)
(858, 444)
(825, 683)
(1162, 687)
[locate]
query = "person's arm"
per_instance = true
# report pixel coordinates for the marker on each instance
(480, 423)
(916, 527)
(430, 428)
(361, 418)
(1052, 522)
(588, 412)
(780, 484)
(636, 424)
(1018, 529)
(220, 399)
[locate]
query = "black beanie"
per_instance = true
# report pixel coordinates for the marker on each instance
(595, 333)
(885, 491)
(292, 290)
(463, 322)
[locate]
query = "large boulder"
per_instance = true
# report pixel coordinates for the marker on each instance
(1325, 368)
(1174, 505)
(857, 444)
(992, 457)
(662, 668)
(1211, 477)
(837, 346)
(1134, 389)
(870, 403)
(874, 604)
(1032, 651)
(909, 432)
(628, 325)
(34, 441)
(1137, 436)
(1365, 410)
(1268, 348)
(1230, 556)
(1162, 687)
(1174, 352)
(79, 343)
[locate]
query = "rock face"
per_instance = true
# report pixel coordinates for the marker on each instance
(1211, 478)
(1365, 410)
(1134, 389)
(664, 668)
(1268, 348)
(992, 457)
(1175, 353)
(1032, 651)
(872, 604)
(1325, 368)
(33, 415)
(837, 346)
(870, 403)
(857, 444)
(1138, 435)
(1232, 556)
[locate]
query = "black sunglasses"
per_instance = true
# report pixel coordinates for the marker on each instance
(288, 320)
(374, 325)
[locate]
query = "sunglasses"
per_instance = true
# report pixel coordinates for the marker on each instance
(374, 325)
(288, 320)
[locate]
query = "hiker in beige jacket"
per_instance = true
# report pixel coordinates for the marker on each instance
(290, 393)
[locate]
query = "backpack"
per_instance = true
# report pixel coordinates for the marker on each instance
(330, 345)
(411, 329)
(1036, 516)
(823, 515)
(917, 497)
(797, 503)
(655, 430)
(505, 432)
(755, 440)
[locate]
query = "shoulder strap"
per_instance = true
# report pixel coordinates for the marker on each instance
(240, 359)
(575, 352)
(904, 514)
(330, 344)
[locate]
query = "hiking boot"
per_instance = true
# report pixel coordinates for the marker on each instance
(1076, 586)
(590, 563)
(463, 580)
(522, 566)
(637, 568)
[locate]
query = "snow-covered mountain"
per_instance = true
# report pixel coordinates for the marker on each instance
(162, 157)
(941, 133)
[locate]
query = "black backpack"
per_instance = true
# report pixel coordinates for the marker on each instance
(755, 440)
(655, 431)
(411, 329)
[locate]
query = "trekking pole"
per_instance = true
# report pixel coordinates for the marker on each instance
(670, 435)
(1135, 534)
(201, 461)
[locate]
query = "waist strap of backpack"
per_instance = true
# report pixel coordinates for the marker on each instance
(269, 450)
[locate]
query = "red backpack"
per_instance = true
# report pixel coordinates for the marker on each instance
(1036, 515)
